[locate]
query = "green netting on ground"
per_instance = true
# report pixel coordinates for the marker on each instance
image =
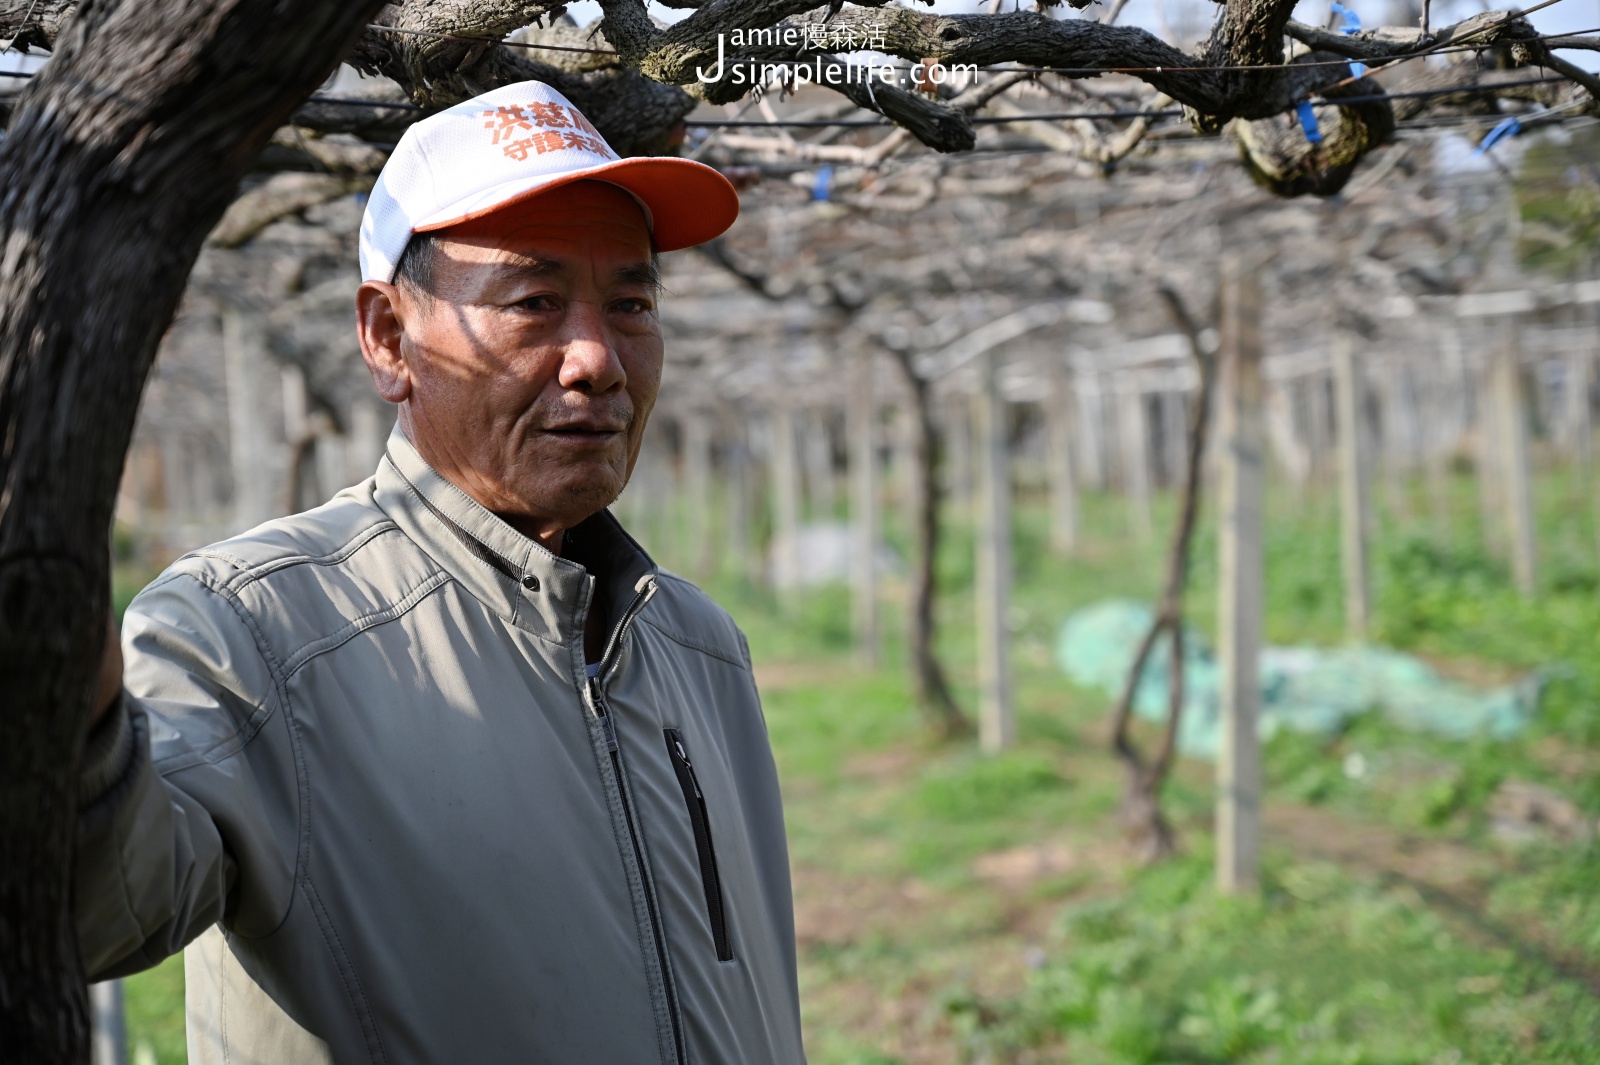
(1305, 689)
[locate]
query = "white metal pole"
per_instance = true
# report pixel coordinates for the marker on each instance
(863, 431)
(785, 504)
(1239, 612)
(1352, 486)
(996, 723)
(109, 1029)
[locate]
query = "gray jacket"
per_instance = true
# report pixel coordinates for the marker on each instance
(361, 759)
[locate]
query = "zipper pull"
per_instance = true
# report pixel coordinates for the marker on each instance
(599, 701)
(683, 756)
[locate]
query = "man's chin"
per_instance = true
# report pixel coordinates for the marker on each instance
(578, 493)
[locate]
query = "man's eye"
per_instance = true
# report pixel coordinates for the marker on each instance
(539, 304)
(634, 306)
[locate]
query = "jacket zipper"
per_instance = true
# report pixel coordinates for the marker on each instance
(614, 749)
(700, 820)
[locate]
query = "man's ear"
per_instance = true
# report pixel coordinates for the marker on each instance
(381, 310)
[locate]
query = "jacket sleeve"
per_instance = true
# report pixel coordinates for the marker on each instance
(190, 799)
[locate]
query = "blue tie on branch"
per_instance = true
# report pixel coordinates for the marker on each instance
(1308, 121)
(824, 186)
(1351, 27)
(1509, 127)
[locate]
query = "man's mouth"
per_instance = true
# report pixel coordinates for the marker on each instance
(585, 434)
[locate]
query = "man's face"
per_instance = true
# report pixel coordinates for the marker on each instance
(527, 372)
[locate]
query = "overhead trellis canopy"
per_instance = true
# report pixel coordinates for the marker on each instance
(1302, 104)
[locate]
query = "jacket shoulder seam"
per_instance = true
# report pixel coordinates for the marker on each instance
(695, 645)
(255, 571)
(332, 641)
(243, 734)
(740, 657)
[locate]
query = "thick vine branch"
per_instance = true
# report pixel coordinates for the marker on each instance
(630, 74)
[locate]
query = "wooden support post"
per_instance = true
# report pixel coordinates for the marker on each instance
(367, 437)
(736, 456)
(816, 455)
(1512, 445)
(182, 474)
(1174, 437)
(1488, 463)
(1438, 444)
(1353, 520)
(785, 504)
(1135, 440)
(864, 534)
(1580, 426)
(299, 490)
(243, 354)
(1379, 450)
(296, 415)
(109, 1026)
(1580, 421)
(702, 551)
(1091, 433)
(1241, 574)
(1318, 419)
(672, 540)
(996, 726)
(332, 462)
(1060, 421)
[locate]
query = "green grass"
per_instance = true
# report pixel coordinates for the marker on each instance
(153, 1001)
(1337, 961)
(1326, 969)
(1391, 929)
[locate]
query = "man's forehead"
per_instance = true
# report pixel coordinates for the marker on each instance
(517, 263)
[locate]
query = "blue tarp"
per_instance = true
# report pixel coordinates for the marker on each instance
(1304, 689)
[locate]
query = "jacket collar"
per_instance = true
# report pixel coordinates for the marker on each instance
(511, 574)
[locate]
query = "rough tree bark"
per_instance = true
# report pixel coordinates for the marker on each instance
(118, 160)
(1144, 826)
(927, 673)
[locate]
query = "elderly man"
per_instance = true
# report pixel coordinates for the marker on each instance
(446, 770)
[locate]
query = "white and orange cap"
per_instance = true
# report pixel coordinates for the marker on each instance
(514, 143)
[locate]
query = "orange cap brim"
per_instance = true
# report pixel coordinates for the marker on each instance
(689, 203)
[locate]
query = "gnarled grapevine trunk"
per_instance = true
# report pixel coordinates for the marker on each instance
(927, 673)
(1144, 827)
(120, 158)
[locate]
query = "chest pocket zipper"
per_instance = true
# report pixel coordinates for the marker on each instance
(695, 800)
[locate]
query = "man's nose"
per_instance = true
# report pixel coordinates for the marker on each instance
(589, 360)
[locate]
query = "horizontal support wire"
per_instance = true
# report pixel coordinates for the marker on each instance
(1067, 116)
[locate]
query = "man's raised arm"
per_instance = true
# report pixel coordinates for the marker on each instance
(189, 813)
